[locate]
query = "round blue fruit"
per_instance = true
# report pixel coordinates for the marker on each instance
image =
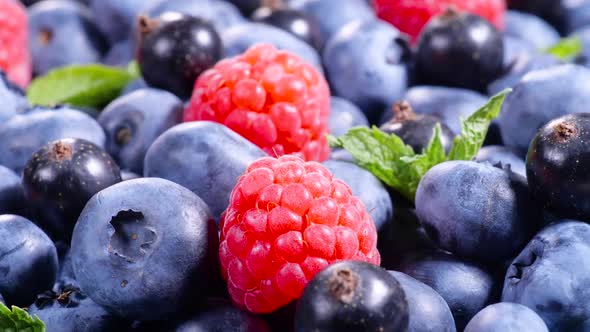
(428, 311)
(497, 154)
(145, 260)
(506, 317)
(29, 260)
(205, 157)
(530, 28)
(344, 115)
(12, 196)
(133, 122)
(477, 210)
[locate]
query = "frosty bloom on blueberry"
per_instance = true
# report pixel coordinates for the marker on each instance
(287, 220)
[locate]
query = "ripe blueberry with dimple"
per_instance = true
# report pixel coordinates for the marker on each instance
(506, 317)
(145, 248)
(133, 122)
(61, 177)
(173, 54)
(29, 260)
(459, 50)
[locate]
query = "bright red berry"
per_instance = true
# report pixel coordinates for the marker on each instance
(288, 219)
(15, 59)
(269, 96)
(410, 16)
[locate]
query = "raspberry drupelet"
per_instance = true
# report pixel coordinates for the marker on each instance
(15, 59)
(270, 97)
(287, 220)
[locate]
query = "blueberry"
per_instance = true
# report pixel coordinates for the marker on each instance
(352, 296)
(366, 187)
(531, 28)
(551, 276)
(427, 310)
(239, 38)
(367, 63)
(19, 144)
(584, 35)
(460, 50)
(115, 18)
(576, 15)
(341, 13)
(205, 157)
(344, 115)
(476, 210)
(515, 51)
(416, 130)
(52, 26)
(12, 98)
(449, 104)
(128, 175)
(142, 260)
(134, 85)
(29, 260)
(132, 123)
(557, 166)
(61, 177)
(550, 10)
(466, 286)
(65, 275)
(69, 310)
(292, 21)
(495, 154)
(506, 317)
(520, 68)
(173, 54)
(539, 97)
(220, 315)
(220, 13)
(12, 196)
(120, 54)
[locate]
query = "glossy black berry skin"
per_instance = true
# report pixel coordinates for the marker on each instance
(416, 129)
(292, 21)
(352, 296)
(558, 166)
(247, 7)
(174, 53)
(459, 50)
(61, 177)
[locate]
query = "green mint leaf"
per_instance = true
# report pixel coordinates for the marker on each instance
(18, 320)
(133, 69)
(396, 164)
(475, 128)
(80, 85)
(375, 151)
(566, 48)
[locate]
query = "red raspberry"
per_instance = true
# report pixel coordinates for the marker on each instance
(15, 59)
(270, 97)
(287, 219)
(410, 16)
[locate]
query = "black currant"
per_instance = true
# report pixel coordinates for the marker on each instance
(459, 50)
(174, 52)
(558, 166)
(247, 7)
(416, 129)
(352, 296)
(290, 20)
(61, 177)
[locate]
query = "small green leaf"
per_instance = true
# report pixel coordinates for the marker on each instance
(18, 320)
(566, 48)
(475, 128)
(80, 85)
(396, 164)
(133, 69)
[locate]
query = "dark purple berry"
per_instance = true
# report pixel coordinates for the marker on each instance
(416, 129)
(558, 166)
(352, 296)
(459, 50)
(290, 20)
(174, 52)
(61, 177)
(247, 7)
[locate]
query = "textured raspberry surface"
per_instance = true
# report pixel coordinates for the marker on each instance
(410, 16)
(269, 96)
(15, 59)
(287, 219)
